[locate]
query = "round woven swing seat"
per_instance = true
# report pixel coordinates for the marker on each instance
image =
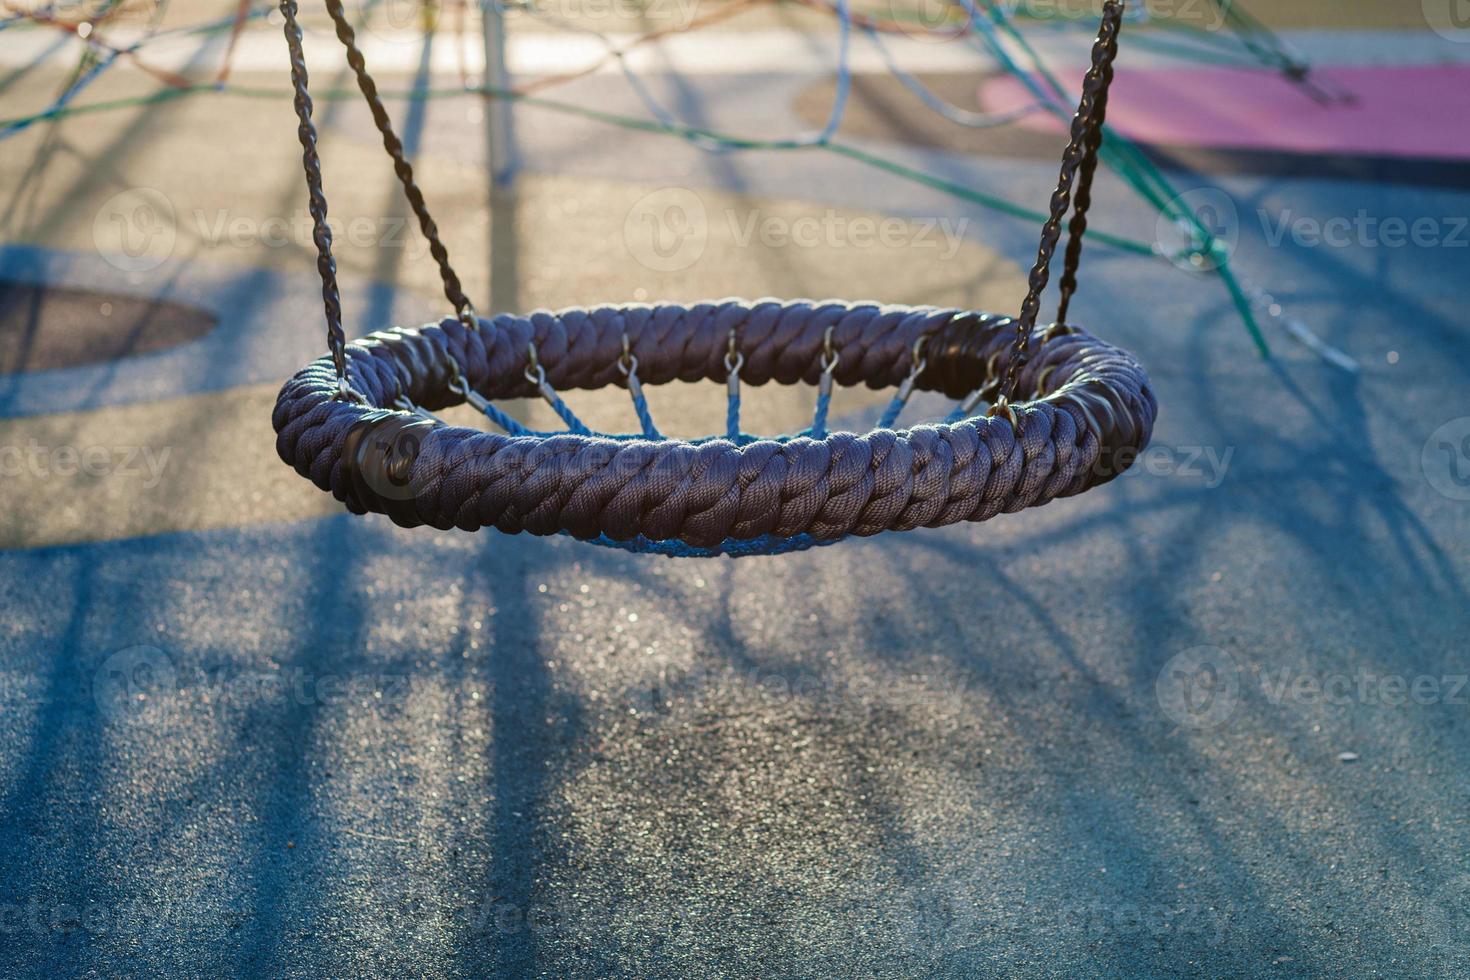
(1082, 410)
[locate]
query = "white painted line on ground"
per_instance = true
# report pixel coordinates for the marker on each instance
(713, 53)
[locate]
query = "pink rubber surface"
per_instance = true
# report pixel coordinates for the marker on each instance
(1406, 111)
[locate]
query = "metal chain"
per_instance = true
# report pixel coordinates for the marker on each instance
(452, 289)
(1082, 200)
(317, 201)
(1094, 87)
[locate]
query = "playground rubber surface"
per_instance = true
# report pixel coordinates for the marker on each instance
(244, 733)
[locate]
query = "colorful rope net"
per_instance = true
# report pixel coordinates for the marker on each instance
(990, 29)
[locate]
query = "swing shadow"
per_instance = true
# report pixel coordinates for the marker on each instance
(518, 840)
(1112, 827)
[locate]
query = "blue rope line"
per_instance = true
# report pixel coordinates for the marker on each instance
(1051, 100)
(844, 73)
(959, 414)
(819, 417)
(890, 414)
(732, 415)
(767, 544)
(645, 418)
(506, 423)
(574, 425)
(61, 41)
(954, 114)
(691, 135)
(82, 81)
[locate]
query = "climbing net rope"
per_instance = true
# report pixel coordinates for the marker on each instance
(987, 26)
(1063, 410)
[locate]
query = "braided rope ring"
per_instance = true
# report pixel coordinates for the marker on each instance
(1083, 411)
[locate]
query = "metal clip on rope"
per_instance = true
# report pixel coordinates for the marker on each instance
(830, 357)
(536, 374)
(906, 388)
(628, 366)
(734, 361)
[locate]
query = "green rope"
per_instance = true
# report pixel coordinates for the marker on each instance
(1124, 157)
(911, 174)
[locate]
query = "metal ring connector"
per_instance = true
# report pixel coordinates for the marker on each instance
(627, 363)
(346, 393)
(468, 316)
(906, 389)
(1002, 406)
(734, 359)
(534, 373)
(830, 355)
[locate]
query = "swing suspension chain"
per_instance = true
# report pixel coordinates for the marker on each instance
(311, 163)
(452, 289)
(1079, 162)
(1083, 198)
(317, 200)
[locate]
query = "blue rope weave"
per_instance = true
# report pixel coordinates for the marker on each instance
(819, 416)
(732, 414)
(507, 424)
(890, 414)
(574, 425)
(640, 406)
(769, 544)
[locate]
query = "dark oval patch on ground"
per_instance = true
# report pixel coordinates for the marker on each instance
(48, 327)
